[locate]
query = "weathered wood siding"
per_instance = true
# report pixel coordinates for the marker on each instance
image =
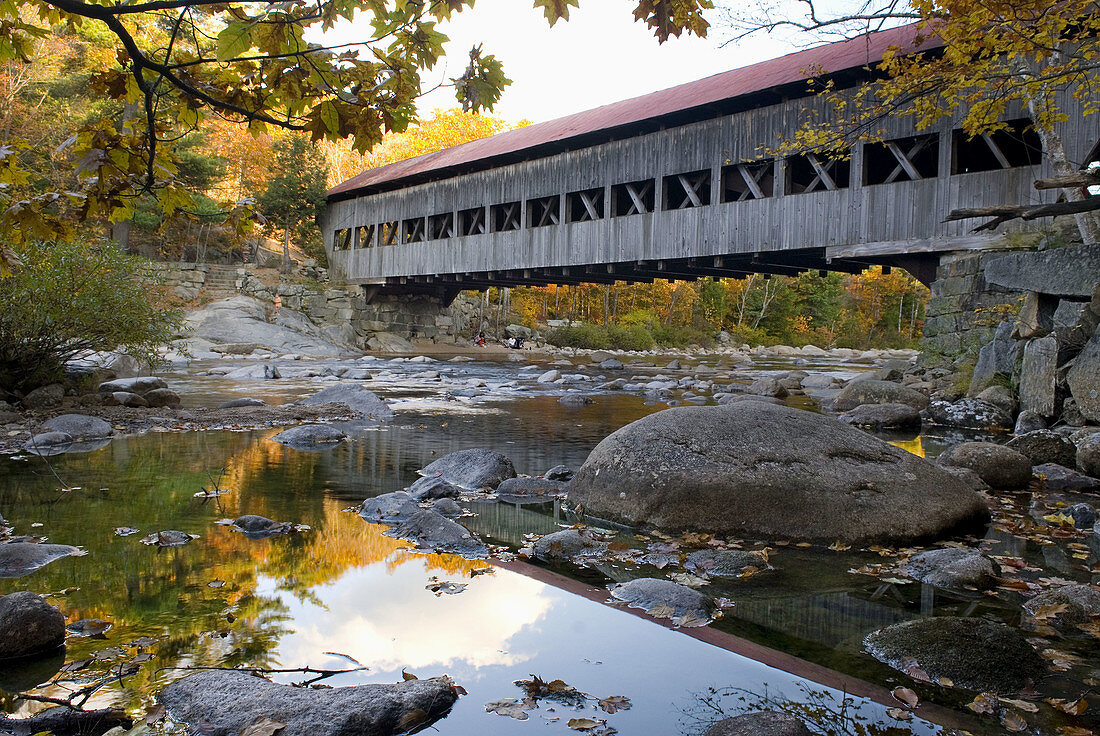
(893, 215)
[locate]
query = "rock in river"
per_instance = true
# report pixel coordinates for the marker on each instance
(472, 469)
(666, 599)
(952, 567)
(969, 414)
(356, 397)
(310, 436)
(226, 703)
(1060, 478)
(877, 392)
(532, 487)
(29, 626)
(761, 723)
(431, 530)
(725, 563)
(880, 417)
(567, 544)
(1045, 446)
(79, 426)
(389, 507)
(974, 653)
(22, 558)
(1077, 604)
(997, 465)
(258, 527)
(771, 472)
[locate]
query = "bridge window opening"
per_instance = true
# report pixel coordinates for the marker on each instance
(814, 172)
(441, 226)
(1017, 145)
(387, 233)
(754, 180)
(544, 211)
(632, 198)
(471, 221)
(904, 159)
(412, 231)
(364, 237)
(687, 190)
(584, 206)
(341, 239)
(505, 217)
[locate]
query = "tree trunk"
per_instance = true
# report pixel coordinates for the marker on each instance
(286, 248)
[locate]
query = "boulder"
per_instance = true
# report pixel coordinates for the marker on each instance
(1045, 446)
(389, 507)
(549, 376)
(139, 385)
(241, 403)
(974, 653)
(431, 530)
(762, 723)
(44, 397)
(388, 342)
(880, 417)
(79, 426)
(48, 443)
(532, 487)
(568, 544)
(1028, 421)
(357, 398)
(66, 721)
(1001, 398)
(448, 507)
(1084, 516)
(226, 703)
(1038, 376)
(1088, 454)
(559, 472)
(306, 436)
(168, 538)
(1060, 478)
(22, 558)
(258, 527)
(740, 469)
(1081, 602)
(611, 364)
(575, 400)
(1084, 378)
(996, 359)
(1065, 272)
(242, 319)
(472, 469)
(968, 414)
(724, 563)
(29, 626)
(1071, 414)
(997, 465)
(1036, 318)
(433, 487)
(952, 567)
(666, 599)
(877, 392)
(159, 397)
(125, 398)
(767, 386)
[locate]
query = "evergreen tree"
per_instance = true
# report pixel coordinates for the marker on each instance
(295, 196)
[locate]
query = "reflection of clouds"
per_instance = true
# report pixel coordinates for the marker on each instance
(388, 621)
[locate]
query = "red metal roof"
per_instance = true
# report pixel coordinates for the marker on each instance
(792, 68)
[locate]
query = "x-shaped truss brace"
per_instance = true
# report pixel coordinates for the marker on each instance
(414, 230)
(509, 216)
(546, 211)
(388, 233)
(753, 180)
(637, 196)
(474, 221)
(905, 159)
(692, 186)
(591, 204)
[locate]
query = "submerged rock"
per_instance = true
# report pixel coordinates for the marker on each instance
(974, 653)
(22, 558)
(473, 469)
(1044, 446)
(763, 723)
(29, 626)
(952, 567)
(771, 472)
(226, 703)
(431, 530)
(307, 436)
(997, 465)
(168, 538)
(877, 392)
(257, 527)
(567, 544)
(883, 416)
(532, 487)
(666, 599)
(389, 507)
(356, 397)
(1081, 602)
(724, 563)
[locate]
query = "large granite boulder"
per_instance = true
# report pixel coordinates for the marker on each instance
(1066, 272)
(29, 626)
(773, 472)
(226, 703)
(139, 385)
(882, 417)
(79, 426)
(1088, 454)
(472, 469)
(242, 319)
(968, 414)
(389, 507)
(429, 529)
(1084, 378)
(356, 397)
(568, 544)
(996, 359)
(997, 465)
(762, 723)
(1045, 446)
(311, 436)
(976, 654)
(877, 392)
(1060, 478)
(1038, 376)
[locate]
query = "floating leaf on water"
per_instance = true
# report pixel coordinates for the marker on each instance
(945, 681)
(1012, 721)
(89, 627)
(614, 703)
(899, 714)
(839, 546)
(106, 655)
(984, 704)
(216, 584)
(1075, 731)
(905, 696)
(1021, 705)
(441, 587)
(142, 641)
(911, 667)
(1049, 611)
(582, 724)
(142, 658)
(263, 726)
(125, 531)
(76, 665)
(154, 714)
(508, 707)
(691, 581)
(1073, 707)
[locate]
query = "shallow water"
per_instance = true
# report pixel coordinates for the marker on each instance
(342, 587)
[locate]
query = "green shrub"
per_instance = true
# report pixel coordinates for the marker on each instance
(68, 298)
(598, 337)
(745, 335)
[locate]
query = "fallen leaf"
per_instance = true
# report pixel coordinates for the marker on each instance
(154, 714)
(76, 665)
(1073, 707)
(899, 714)
(905, 696)
(508, 707)
(614, 703)
(263, 726)
(839, 546)
(983, 704)
(1012, 721)
(582, 724)
(407, 676)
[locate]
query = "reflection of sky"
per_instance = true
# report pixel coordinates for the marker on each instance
(506, 627)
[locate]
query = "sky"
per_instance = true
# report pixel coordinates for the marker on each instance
(600, 55)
